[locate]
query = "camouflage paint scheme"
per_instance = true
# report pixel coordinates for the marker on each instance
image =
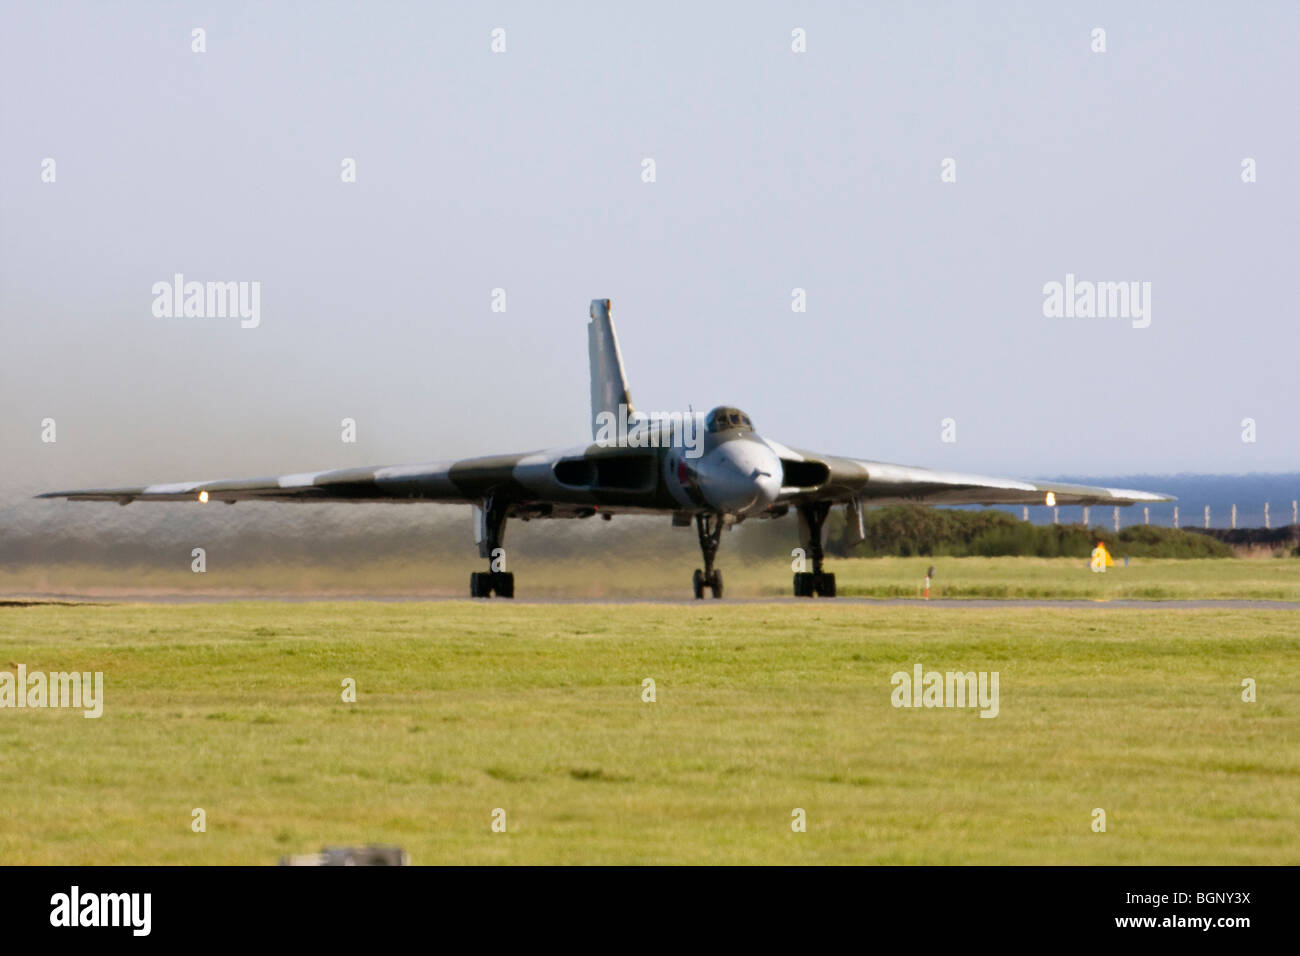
(738, 474)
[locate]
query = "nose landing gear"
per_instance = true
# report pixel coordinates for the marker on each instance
(709, 527)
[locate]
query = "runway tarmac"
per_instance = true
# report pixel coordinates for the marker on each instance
(74, 600)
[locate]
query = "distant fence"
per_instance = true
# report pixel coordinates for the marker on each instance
(1176, 516)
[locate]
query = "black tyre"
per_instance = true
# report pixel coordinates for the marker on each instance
(503, 583)
(697, 582)
(480, 585)
(826, 585)
(716, 584)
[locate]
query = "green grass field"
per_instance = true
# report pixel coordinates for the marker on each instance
(463, 708)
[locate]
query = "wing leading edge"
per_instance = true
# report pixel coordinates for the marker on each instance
(448, 481)
(883, 483)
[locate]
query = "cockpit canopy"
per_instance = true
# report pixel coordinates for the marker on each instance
(724, 417)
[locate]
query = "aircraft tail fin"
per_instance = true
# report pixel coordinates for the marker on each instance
(608, 380)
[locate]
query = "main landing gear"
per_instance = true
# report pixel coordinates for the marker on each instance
(812, 517)
(491, 531)
(710, 528)
(486, 583)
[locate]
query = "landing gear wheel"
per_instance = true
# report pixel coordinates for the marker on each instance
(480, 584)
(810, 583)
(697, 582)
(716, 584)
(503, 583)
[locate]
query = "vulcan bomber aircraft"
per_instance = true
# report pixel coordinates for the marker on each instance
(713, 474)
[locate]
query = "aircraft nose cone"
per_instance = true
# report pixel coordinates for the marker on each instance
(741, 477)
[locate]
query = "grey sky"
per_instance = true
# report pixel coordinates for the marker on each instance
(522, 170)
